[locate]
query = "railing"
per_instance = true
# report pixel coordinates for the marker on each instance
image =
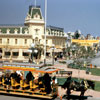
(25, 65)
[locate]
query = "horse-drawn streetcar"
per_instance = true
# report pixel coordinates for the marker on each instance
(26, 81)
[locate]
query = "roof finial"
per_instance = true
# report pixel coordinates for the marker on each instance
(35, 3)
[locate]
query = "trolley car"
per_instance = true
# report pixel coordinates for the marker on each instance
(28, 81)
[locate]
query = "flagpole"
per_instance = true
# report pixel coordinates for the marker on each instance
(35, 3)
(45, 32)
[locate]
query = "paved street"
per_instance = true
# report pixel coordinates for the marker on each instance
(76, 73)
(96, 60)
(5, 97)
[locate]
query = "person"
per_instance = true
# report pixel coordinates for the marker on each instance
(16, 75)
(67, 82)
(29, 77)
(54, 86)
(13, 75)
(7, 80)
(19, 75)
(69, 77)
(47, 83)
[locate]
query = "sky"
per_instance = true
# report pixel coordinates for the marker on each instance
(72, 15)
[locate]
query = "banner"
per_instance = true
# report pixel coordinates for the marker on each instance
(85, 41)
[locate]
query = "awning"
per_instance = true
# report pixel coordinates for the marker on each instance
(27, 51)
(7, 50)
(58, 50)
(55, 50)
(15, 50)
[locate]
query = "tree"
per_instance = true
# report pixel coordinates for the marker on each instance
(39, 47)
(77, 34)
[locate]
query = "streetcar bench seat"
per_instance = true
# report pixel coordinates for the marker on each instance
(23, 84)
(33, 85)
(43, 93)
(3, 82)
(14, 83)
(0, 82)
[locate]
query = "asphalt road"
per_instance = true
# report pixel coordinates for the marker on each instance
(5, 97)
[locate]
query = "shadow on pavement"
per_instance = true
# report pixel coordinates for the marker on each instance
(22, 97)
(75, 97)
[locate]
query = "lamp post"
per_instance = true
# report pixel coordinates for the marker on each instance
(53, 47)
(36, 52)
(36, 55)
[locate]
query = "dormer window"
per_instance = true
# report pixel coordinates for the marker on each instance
(8, 31)
(36, 16)
(52, 32)
(16, 31)
(0, 31)
(26, 31)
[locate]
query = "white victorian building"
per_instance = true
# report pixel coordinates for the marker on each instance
(15, 41)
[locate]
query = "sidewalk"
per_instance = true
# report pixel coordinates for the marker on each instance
(78, 73)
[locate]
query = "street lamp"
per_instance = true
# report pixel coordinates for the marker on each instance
(35, 52)
(53, 47)
(36, 56)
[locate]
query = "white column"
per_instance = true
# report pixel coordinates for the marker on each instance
(20, 30)
(20, 57)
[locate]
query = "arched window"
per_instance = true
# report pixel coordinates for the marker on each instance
(25, 41)
(15, 41)
(7, 41)
(36, 40)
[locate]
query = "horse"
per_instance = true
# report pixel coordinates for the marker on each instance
(78, 86)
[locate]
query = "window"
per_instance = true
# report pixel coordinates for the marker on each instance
(46, 41)
(15, 41)
(15, 53)
(39, 40)
(25, 41)
(36, 40)
(7, 41)
(7, 53)
(36, 31)
(33, 40)
(62, 34)
(48, 32)
(25, 54)
(0, 40)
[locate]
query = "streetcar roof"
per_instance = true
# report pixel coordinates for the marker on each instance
(29, 68)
